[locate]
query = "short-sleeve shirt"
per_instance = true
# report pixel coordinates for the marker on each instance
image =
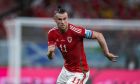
(70, 43)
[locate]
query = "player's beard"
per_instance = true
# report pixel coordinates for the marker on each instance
(63, 28)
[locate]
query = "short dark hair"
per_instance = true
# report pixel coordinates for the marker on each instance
(60, 9)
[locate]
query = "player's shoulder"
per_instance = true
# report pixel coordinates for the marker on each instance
(52, 29)
(75, 28)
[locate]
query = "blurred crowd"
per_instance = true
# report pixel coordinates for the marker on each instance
(104, 9)
(109, 9)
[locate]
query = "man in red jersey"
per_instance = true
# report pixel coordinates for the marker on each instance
(69, 39)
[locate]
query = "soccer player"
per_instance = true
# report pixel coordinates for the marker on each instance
(69, 39)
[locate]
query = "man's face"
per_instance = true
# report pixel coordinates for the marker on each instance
(61, 20)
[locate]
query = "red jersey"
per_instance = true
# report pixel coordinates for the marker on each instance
(71, 46)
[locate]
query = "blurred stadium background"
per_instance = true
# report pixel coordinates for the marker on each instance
(23, 46)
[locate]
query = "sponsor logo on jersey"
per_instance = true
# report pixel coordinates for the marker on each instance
(69, 39)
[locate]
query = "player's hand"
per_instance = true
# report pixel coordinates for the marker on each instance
(111, 57)
(51, 50)
(50, 54)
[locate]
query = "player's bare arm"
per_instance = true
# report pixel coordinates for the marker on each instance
(100, 38)
(50, 52)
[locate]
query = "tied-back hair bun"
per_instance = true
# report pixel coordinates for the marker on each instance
(60, 9)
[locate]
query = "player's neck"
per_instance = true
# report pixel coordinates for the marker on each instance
(64, 30)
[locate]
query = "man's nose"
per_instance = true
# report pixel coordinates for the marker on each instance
(62, 21)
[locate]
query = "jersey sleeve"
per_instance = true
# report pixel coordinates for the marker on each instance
(51, 39)
(85, 33)
(81, 32)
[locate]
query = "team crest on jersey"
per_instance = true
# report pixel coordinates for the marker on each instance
(69, 39)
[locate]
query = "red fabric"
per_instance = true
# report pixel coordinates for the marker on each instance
(71, 46)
